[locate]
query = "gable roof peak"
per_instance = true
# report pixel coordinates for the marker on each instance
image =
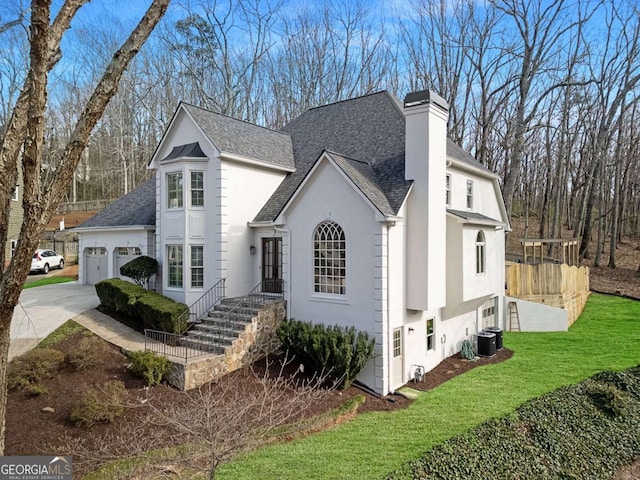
(188, 106)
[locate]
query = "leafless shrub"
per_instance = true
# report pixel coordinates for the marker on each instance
(216, 421)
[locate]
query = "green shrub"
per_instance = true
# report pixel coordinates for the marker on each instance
(149, 366)
(119, 295)
(34, 366)
(140, 269)
(161, 313)
(87, 353)
(587, 430)
(101, 404)
(339, 352)
(154, 310)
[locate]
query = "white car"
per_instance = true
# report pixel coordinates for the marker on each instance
(44, 260)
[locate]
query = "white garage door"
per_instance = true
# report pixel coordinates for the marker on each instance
(123, 256)
(95, 265)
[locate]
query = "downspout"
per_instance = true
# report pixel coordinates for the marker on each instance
(390, 332)
(287, 232)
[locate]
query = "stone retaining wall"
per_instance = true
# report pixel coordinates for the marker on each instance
(258, 340)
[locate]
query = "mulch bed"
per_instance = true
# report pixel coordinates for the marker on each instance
(32, 431)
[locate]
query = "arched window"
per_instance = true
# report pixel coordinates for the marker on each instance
(329, 259)
(480, 253)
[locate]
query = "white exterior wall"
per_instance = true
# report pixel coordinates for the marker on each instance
(536, 317)
(110, 239)
(234, 194)
(244, 191)
(328, 195)
(188, 225)
(484, 194)
(425, 163)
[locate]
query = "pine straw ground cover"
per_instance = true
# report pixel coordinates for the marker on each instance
(606, 337)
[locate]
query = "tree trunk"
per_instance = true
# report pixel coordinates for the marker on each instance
(27, 125)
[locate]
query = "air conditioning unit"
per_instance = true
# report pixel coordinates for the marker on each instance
(498, 333)
(486, 344)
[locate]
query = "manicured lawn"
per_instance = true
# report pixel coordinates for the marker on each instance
(48, 281)
(606, 336)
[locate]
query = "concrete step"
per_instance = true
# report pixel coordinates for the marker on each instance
(230, 316)
(203, 344)
(211, 338)
(212, 329)
(234, 307)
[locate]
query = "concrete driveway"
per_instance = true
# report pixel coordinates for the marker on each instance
(43, 309)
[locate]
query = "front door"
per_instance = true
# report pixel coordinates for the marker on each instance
(272, 265)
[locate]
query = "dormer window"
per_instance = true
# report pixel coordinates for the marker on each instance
(469, 194)
(174, 190)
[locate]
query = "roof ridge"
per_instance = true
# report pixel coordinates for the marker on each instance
(232, 118)
(366, 162)
(349, 99)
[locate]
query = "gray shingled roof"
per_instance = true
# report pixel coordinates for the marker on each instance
(369, 130)
(457, 152)
(136, 208)
(245, 139)
(363, 176)
(473, 216)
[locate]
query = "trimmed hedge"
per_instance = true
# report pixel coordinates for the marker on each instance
(338, 352)
(119, 295)
(587, 430)
(155, 311)
(140, 269)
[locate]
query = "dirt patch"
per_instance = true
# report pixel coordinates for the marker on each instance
(71, 219)
(455, 365)
(32, 431)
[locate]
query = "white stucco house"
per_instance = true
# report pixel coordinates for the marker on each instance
(363, 212)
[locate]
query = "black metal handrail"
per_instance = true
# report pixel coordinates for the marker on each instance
(185, 347)
(266, 290)
(175, 345)
(203, 305)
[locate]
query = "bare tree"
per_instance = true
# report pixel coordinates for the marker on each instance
(540, 32)
(26, 132)
(217, 421)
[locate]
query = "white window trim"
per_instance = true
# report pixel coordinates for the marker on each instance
(341, 298)
(169, 174)
(432, 335)
(481, 254)
(469, 195)
(447, 187)
(191, 190)
(174, 287)
(16, 195)
(191, 267)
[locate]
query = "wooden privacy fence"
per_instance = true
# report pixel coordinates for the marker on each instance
(556, 285)
(68, 248)
(546, 279)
